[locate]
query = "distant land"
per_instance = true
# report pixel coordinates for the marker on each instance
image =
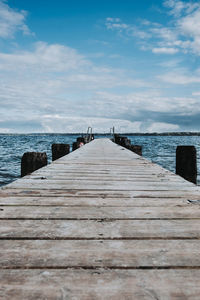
(165, 133)
(107, 133)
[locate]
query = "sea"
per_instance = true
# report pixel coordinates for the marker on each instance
(158, 149)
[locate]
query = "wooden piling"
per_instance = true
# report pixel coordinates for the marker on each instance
(136, 148)
(126, 143)
(74, 146)
(122, 141)
(32, 161)
(59, 150)
(80, 140)
(186, 164)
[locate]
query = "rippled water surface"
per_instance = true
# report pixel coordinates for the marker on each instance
(159, 149)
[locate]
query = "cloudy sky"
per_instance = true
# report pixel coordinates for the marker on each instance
(66, 65)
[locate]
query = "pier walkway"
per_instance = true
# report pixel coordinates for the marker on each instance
(100, 223)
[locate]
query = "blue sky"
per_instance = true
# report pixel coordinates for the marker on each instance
(66, 65)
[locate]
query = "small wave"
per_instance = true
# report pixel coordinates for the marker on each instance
(7, 175)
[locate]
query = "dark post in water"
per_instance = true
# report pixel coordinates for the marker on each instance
(80, 141)
(59, 150)
(32, 161)
(136, 148)
(186, 164)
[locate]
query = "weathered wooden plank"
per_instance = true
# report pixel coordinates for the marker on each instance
(101, 253)
(56, 212)
(131, 167)
(10, 192)
(90, 177)
(108, 229)
(107, 171)
(102, 185)
(102, 161)
(100, 284)
(98, 201)
(109, 181)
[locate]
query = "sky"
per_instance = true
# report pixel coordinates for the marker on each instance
(66, 65)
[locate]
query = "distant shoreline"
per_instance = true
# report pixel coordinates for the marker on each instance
(124, 134)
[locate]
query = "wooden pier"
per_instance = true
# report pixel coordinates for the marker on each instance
(100, 223)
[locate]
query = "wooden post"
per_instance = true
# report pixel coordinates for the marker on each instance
(117, 138)
(122, 141)
(74, 146)
(80, 140)
(136, 148)
(125, 142)
(32, 161)
(59, 150)
(186, 164)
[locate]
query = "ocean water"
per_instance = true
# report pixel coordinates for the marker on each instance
(158, 149)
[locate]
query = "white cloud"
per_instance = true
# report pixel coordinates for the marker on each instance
(185, 27)
(167, 34)
(129, 30)
(70, 93)
(12, 21)
(178, 78)
(178, 8)
(56, 123)
(53, 68)
(164, 50)
(113, 20)
(197, 94)
(56, 80)
(181, 34)
(189, 27)
(5, 130)
(48, 57)
(54, 88)
(60, 104)
(115, 23)
(162, 127)
(170, 64)
(145, 105)
(190, 24)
